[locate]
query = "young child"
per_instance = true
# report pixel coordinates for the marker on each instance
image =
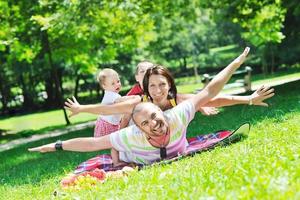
(137, 89)
(140, 71)
(109, 81)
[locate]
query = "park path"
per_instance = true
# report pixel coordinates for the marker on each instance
(55, 133)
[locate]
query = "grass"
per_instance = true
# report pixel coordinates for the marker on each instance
(37, 123)
(263, 166)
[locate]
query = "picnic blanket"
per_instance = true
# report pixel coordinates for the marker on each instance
(195, 145)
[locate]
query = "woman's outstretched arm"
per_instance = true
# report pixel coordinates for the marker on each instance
(124, 107)
(256, 98)
(218, 82)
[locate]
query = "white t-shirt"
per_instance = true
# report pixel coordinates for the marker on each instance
(134, 147)
(110, 98)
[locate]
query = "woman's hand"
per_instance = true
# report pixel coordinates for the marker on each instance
(241, 59)
(44, 148)
(261, 94)
(73, 106)
(208, 111)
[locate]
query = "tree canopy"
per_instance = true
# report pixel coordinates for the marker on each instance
(48, 47)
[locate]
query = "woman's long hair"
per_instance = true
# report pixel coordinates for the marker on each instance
(160, 70)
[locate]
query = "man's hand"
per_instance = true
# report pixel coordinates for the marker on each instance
(208, 110)
(261, 94)
(44, 148)
(73, 106)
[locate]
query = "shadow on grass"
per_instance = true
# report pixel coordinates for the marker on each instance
(286, 100)
(21, 167)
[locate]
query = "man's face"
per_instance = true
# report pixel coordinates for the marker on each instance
(112, 84)
(150, 119)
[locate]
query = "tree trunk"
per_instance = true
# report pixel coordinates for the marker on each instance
(49, 86)
(4, 92)
(184, 63)
(76, 84)
(195, 68)
(272, 59)
(54, 71)
(98, 91)
(264, 62)
(4, 81)
(26, 92)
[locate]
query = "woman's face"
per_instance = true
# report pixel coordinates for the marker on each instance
(158, 88)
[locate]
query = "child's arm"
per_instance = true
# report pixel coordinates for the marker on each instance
(125, 120)
(115, 158)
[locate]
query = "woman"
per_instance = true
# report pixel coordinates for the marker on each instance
(159, 88)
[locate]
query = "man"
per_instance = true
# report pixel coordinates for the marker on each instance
(157, 135)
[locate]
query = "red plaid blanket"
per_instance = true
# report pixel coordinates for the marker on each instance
(196, 144)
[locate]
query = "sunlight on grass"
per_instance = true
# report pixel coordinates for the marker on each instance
(41, 120)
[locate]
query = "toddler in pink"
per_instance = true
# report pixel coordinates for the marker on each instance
(110, 82)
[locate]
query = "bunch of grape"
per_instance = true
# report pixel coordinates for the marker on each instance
(85, 179)
(86, 182)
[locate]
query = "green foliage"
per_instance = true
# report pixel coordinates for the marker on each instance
(265, 27)
(261, 22)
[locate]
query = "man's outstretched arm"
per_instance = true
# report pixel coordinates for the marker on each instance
(78, 144)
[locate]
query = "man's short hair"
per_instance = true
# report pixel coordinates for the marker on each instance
(139, 107)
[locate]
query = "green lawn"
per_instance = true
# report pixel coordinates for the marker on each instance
(38, 123)
(263, 166)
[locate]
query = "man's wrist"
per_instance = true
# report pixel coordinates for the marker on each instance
(58, 146)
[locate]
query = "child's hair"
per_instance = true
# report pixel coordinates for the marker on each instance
(144, 63)
(105, 73)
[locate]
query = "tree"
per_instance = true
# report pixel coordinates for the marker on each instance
(261, 22)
